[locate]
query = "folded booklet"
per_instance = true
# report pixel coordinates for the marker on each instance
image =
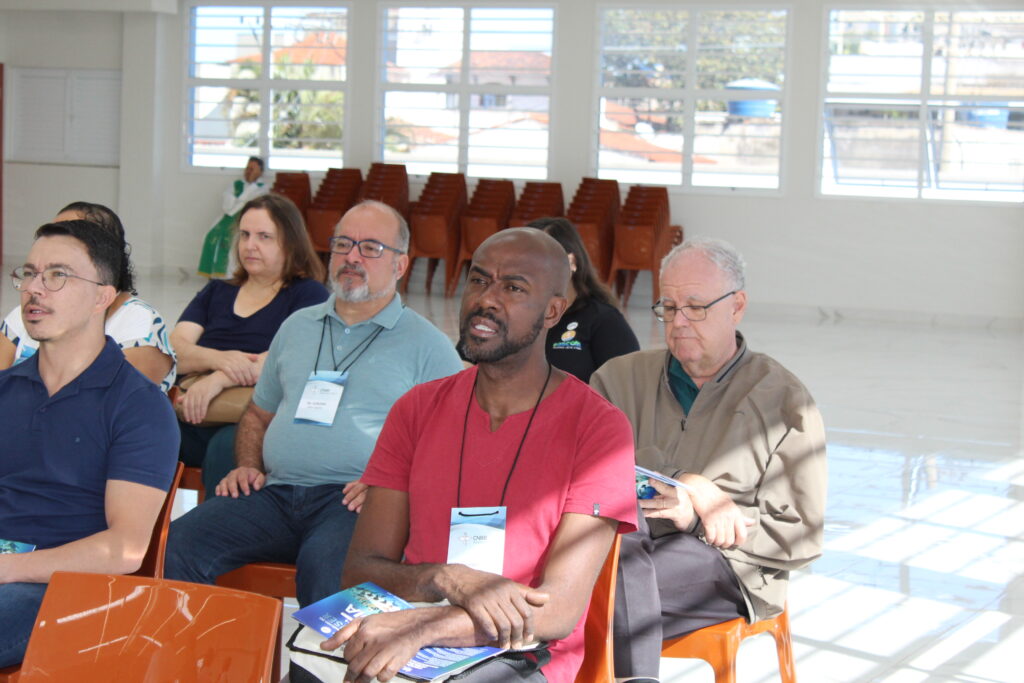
(11, 547)
(330, 615)
(645, 490)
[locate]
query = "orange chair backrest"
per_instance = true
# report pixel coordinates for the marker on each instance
(100, 628)
(598, 658)
(153, 562)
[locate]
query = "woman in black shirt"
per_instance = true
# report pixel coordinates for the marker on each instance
(592, 330)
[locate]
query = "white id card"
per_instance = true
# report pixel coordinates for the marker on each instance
(476, 538)
(321, 397)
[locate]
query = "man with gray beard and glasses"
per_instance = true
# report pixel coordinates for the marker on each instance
(331, 375)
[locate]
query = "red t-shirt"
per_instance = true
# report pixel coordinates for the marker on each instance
(578, 457)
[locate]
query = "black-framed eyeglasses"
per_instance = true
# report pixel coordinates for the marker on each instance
(368, 248)
(54, 279)
(666, 313)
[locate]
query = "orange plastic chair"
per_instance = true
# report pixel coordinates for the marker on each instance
(100, 628)
(272, 579)
(153, 561)
(717, 645)
(598, 657)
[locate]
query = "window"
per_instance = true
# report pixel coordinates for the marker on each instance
(691, 97)
(64, 116)
(925, 104)
(467, 89)
(266, 81)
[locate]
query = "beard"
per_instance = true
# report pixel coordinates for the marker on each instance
(508, 345)
(355, 294)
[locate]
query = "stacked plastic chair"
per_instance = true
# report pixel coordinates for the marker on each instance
(642, 236)
(295, 186)
(434, 222)
(538, 200)
(336, 195)
(488, 212)
(388, 183)
(593, 211)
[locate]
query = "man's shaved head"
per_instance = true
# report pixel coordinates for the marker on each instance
(543, 249)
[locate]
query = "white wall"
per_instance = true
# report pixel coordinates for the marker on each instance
(841, 255)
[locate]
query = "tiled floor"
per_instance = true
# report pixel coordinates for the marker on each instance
(922, 580)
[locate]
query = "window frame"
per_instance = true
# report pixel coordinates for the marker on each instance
(464, 90)
(924, 103)
(265, 83)
(690, 95)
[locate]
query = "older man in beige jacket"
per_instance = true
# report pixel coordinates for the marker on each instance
(744, 437)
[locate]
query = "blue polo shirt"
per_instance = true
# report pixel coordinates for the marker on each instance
(406, 350)
(58, 452)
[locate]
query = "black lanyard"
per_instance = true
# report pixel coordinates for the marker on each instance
(360, 347)
(465, 422)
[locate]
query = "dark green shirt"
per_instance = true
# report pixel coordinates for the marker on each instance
(681, 385)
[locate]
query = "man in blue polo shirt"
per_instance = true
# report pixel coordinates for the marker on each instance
(331, 375)
(90, 444)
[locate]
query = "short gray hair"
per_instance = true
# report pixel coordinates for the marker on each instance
(719, 252)
(403, 225)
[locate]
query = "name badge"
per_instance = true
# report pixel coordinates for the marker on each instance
(476, 538)
(321, 397)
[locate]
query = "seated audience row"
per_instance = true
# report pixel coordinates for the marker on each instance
(364, 450)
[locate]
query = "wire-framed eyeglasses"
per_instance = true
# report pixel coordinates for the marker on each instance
(368, 248)
(666, 313)
(54, 279)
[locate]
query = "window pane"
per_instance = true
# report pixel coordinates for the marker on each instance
(305, 128)
(875, 51)
(508, 136)
(423, 45)
(225, 126)
(308, 43)
(641, 140)
(736, 151)
(978, 53)
(421, 130)
(227, 42)
(737, 45)
(872, 146)
(977, 150)
(510, 47)
(643, 48)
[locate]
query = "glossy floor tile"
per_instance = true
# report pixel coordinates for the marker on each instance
(922, 580)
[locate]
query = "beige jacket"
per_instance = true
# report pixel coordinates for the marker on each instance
(755, 432)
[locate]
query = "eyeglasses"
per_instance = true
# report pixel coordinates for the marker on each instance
(54, 279)
(666, 314)
(368, 248)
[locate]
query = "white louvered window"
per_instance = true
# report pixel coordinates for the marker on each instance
(466, 89)
(267, 81)
(691, 97)
(925, 104)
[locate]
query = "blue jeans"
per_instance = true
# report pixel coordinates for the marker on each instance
(305, 525)
(19, 605)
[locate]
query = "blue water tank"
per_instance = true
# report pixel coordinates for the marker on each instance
(752, 108)
(993, 116)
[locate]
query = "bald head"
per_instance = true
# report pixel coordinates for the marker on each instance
(541, 251)
(516, 289)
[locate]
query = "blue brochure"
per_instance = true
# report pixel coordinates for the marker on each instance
(11, 547)
(644, 490)
(330, 615)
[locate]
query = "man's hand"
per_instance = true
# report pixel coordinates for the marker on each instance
(355, 494)
(500, 608)
(725, 525)
(242, 480)
(668, 504)
(196, 400)
(379, 645)
(243, 369)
